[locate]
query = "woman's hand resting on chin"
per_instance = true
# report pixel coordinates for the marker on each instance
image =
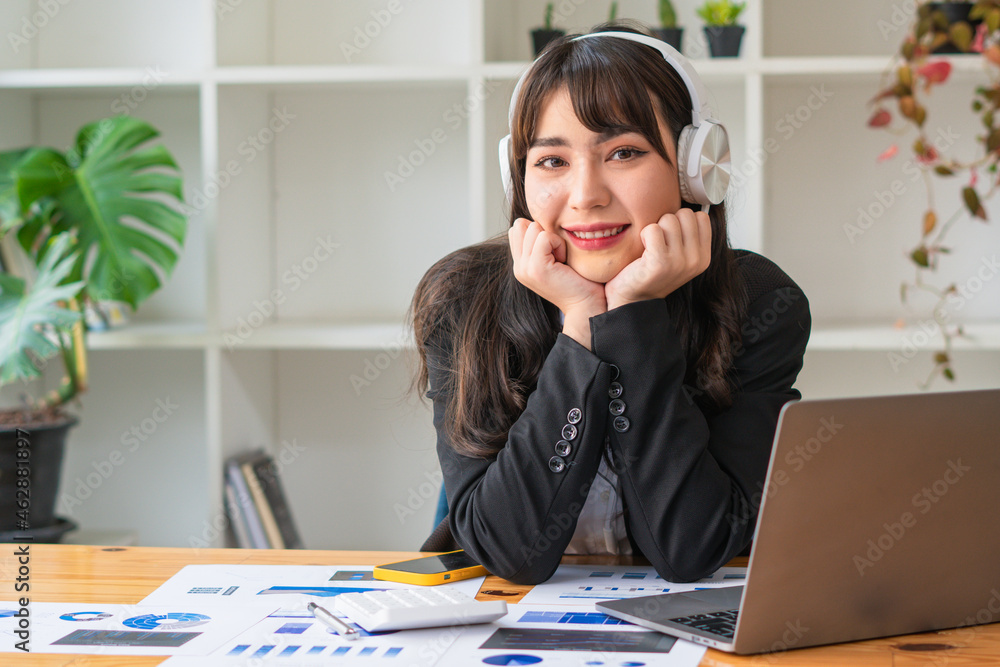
(540, 265)
(675, 249)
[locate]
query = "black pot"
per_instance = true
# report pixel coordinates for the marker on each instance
(954, 12)
(540, 38)
(671, 36)
(45, 445)
(724, 40)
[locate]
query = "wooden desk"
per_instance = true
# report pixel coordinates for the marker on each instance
(72, 573)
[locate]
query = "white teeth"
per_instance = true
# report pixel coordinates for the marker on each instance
(598, 235)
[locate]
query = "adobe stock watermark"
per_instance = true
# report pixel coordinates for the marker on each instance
(131, 440)
(364, 35)
(417, 496)
(796, 459)
(902, 16)
(790, 638)
(373, 367)
(558, 527)
(883, 200)
(293, 278)
(790, 123)
(923, 501)
(249, 149)
(32, 24)
(453, 117)
(123, 105)
(988, 613)
(930, 329)
(751, 332)
(224, 8)
(565, 9)
(214, 528)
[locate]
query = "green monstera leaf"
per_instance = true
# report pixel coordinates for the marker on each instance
(10, 203)
(115, 194)
(30, 317)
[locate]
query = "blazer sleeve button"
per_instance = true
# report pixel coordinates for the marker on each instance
(563, 448)
(568, 432)
(615, 390)
(617, 406)
(556, 464)
(574, 416)
(621, 424)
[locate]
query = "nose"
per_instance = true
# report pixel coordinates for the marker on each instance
(588, 189)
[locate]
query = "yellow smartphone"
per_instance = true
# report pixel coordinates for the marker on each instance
(432, 570)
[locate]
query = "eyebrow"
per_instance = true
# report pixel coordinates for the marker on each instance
(605, 135)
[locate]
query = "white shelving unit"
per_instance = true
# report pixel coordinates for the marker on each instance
(282, 325)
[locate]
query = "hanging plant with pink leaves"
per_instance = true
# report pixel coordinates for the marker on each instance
(900, 105)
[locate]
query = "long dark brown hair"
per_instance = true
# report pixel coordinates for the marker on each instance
(482, 336)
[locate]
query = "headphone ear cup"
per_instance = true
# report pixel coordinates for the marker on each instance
(708, 147)
(504, 155)
(684, 142)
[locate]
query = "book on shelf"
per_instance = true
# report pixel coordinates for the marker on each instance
(267, 475)
(237, 519)
(258, 493)
(257, 539)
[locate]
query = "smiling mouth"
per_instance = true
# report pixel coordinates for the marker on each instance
(603, 234)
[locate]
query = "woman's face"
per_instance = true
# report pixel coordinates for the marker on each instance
(597, 191)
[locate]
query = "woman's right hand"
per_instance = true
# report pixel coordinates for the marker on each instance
(540, 265)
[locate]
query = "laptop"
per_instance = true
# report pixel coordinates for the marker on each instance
(878, 518)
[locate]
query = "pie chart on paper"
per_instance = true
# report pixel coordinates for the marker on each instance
(511, 659)
(172, 621)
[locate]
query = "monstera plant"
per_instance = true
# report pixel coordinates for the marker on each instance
(100, 222)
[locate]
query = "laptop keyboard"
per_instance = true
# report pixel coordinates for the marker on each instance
(722, 623)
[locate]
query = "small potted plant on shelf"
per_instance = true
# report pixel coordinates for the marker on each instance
(721, 30)
(952, 25)
(540, 37)
(669, 31)
(98, 222)
(913, 75)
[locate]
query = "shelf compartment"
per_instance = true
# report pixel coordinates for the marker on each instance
(332, 32)
(53, 118)
(128, 33)
(836, 373)
(821, 28)
(373, 443)
(330, 223)
(138, 461)
(508, 24)
(845, 238)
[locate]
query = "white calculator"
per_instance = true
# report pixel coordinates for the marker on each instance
(405, 609)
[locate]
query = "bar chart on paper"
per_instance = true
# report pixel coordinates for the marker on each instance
(312, 650)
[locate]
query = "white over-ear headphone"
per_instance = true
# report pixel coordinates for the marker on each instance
(703, 147)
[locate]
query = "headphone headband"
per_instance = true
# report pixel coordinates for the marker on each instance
(701, 108)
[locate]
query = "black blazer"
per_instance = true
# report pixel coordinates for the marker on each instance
(691, 483)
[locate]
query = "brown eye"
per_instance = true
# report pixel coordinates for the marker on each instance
(628, 153)
(546, 162)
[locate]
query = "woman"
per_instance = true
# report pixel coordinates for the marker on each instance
(607, 377)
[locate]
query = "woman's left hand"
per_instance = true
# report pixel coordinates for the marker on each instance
(675, 249)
